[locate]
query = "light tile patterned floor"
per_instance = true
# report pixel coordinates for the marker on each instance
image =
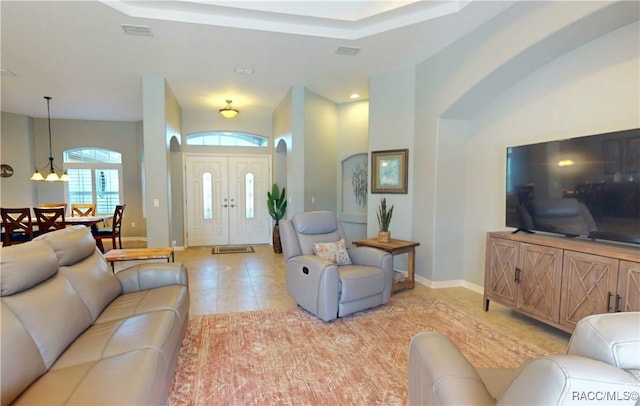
(225, 283)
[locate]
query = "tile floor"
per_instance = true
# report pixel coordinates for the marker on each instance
(225, 283)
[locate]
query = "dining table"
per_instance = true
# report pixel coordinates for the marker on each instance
(91, 222)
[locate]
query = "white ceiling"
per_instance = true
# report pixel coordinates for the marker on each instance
(78, 53)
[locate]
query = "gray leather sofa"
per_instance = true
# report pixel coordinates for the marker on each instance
(73, 333)
(601, 366)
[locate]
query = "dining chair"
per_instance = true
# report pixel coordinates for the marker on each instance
(17, 224)
(83, 209)
(49, 219)
(50, 205)
(113, 232)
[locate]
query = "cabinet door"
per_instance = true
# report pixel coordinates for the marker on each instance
(629, 287)
(501, 262)
(539, 281)
(588, 286)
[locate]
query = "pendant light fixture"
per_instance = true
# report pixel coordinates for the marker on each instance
(53, 170)
(228, 111)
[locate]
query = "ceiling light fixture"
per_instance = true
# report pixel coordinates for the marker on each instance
(53, 175)
(228, 111)
(354, 96)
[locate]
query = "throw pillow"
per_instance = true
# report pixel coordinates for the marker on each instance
(335, 252)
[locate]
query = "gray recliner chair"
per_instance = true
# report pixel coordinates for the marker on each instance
(566, 216)
(322, 287)
(601, 366)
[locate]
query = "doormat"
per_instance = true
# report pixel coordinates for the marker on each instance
(228, 249)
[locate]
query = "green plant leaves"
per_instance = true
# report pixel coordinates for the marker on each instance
(276, 203)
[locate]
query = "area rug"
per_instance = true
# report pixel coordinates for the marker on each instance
(229, 249)
(289, 357)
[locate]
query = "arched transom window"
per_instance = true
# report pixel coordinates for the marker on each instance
(227, 139)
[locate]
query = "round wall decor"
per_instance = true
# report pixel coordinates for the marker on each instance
(6, 171)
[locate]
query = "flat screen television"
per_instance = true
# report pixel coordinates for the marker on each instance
(580, 187)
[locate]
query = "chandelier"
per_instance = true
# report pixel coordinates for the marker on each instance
(53, 170)
(228, 111)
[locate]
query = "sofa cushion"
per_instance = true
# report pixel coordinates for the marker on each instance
(157, 330)
(133, 378)
(358, 281)
(25, 266)
(53, 313)
(71, 245)
(21, 361)
(172, 297)
(94, 282)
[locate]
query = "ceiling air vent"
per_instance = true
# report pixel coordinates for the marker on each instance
(347, 51)
(136, 30)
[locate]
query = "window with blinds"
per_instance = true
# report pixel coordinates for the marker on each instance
(96, 177)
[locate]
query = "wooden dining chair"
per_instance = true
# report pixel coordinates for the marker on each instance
(113, 232)
(49, 219)
(17, 224)
(50, 205)
(83, 209)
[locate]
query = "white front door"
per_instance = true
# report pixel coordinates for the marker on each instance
(226, 200)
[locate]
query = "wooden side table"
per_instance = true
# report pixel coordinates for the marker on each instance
(133, 254)
(396, 247)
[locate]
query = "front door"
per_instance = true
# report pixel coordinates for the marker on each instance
(226, 200)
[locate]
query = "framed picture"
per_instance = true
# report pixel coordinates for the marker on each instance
(389, 171)
(612, 156)
(632, 161)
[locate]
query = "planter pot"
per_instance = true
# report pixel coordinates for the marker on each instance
(275, 237)
(384, 236)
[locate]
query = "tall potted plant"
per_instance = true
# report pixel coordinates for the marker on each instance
(277, 206)
(384, 219)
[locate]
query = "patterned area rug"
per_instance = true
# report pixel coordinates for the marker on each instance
(290, 357)
(230, 249)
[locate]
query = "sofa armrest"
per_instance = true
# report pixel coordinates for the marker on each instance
(440, 375)
(570, 379)
(370, 256)
(313, 283)
(152, 275)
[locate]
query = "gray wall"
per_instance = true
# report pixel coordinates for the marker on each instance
(320, 160)
(551, 82)
(16, 151)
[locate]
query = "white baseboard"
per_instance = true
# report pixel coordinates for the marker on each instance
(456, 283)
(175, 248)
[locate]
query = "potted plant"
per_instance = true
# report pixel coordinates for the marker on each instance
(384, 219)
(277, 206)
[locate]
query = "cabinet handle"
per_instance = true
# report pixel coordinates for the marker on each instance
(609, 295)
(517, 275)
(618, 299)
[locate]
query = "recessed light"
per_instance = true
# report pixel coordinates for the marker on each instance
(143, 30)
(355, 96)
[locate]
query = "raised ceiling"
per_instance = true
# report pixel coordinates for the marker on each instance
(78, 53)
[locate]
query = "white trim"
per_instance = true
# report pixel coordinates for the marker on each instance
(455, 283)
(144, 239)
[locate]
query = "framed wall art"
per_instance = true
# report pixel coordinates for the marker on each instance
(389, 171)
